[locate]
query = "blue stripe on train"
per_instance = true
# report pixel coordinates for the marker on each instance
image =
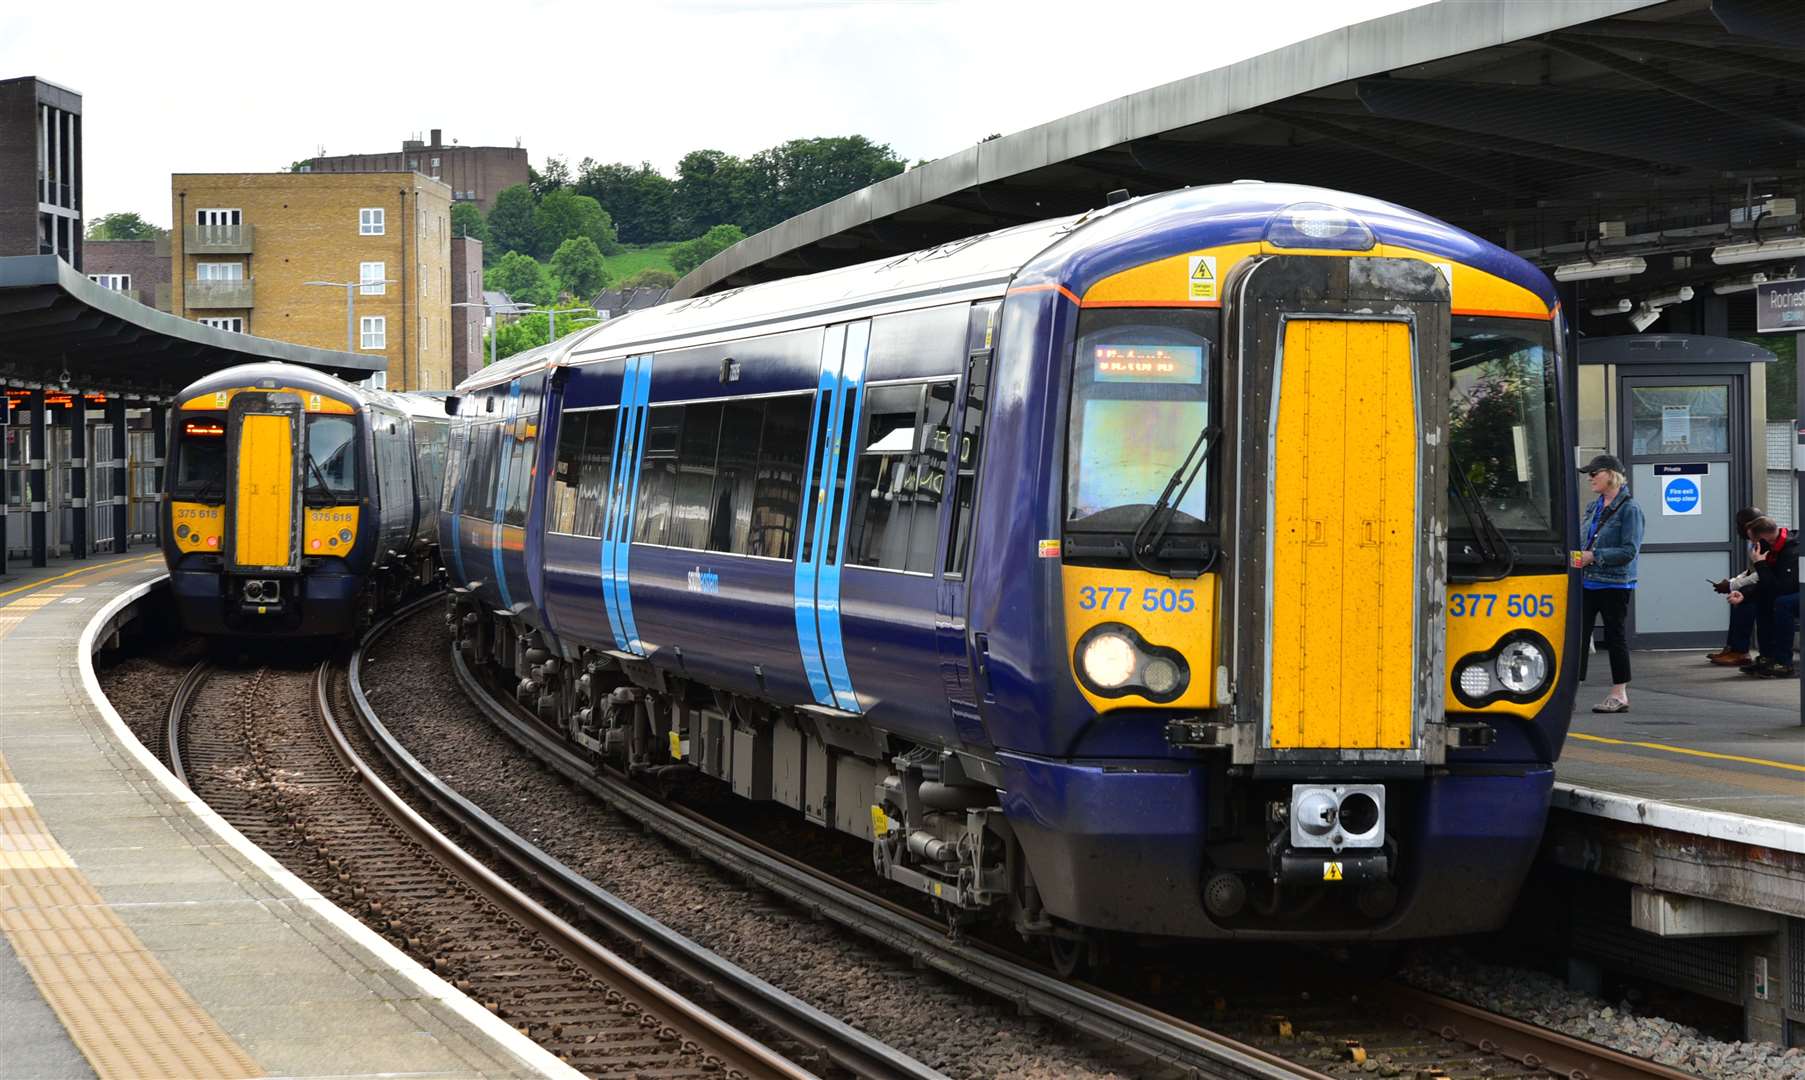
(501, 494)
(624, 546)
(808, 638)
(613, 498)
(845, 460)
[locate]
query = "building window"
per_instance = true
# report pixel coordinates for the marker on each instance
(413, 163)
(116, 282)
(435, 168)
(219, 271)
(369, 221)
(378, 381)
(214, 218)
(376, 273)
(233, 324)
(375, 332)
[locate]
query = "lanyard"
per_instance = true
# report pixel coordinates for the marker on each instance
(1599, 516)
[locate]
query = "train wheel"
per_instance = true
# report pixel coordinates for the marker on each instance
(1072, 953)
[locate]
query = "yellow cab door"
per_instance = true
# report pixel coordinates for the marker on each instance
(265, 449)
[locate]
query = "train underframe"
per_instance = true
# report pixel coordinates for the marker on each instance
(1071, 852)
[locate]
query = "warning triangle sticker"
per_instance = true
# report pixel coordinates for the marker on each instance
(1204, 271)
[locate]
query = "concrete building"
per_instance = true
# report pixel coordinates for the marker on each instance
(474, 173)
(40, 170)
(137, 268)
(247, 247)
(466, 307)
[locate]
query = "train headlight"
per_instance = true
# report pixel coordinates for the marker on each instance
(1113, 660)
(1108, 660)
(1318, 225)
(1522, 666)
(1519, 668)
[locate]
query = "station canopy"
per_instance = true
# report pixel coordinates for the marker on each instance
(61, 331)
(1566, 130)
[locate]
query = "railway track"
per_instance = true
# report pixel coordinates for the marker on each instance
(268, 749)
(1381, 1029)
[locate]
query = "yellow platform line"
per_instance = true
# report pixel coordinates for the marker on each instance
(1687, 751)
(82, 570)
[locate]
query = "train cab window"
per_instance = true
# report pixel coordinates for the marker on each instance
(730, 517)
(695, 476)
(331, 459)
(901, 476)
(200, 458)
(1503, 430)
(777, 491)
(657, 473)
(1140, 399)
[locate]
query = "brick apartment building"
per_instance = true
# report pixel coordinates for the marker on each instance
(466, 311)
(40, 170)
(245, 246)
(137, 268)
(474, 173)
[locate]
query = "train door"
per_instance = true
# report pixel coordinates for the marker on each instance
(962, 655)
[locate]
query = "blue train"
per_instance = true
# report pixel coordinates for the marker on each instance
(1196, 567)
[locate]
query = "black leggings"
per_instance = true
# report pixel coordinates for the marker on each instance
(1614, 605)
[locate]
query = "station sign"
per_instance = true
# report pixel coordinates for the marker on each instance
(1680, 493)
(1780, 306)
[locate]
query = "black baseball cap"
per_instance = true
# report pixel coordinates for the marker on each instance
(1602, 463)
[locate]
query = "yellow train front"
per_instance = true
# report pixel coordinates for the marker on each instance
(290, 501)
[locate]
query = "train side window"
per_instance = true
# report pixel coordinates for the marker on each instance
(454, 467)
(573, 428)
(479, 500)
(592, 474)
(730, 520)
(520, 480)
(777, 492)
(657, 473)
(879, 531)
(695, 476)
(933, 438)
(964, 464)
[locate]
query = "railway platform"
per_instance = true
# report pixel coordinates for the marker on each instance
(140, 935)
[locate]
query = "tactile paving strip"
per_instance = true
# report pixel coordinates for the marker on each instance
(121, 1008)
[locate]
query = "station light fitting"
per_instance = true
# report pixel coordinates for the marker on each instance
(1668, 299)
(1603, 268)
(1738, 284)
(1621, 307)
(1773, 250)
(1644, 317)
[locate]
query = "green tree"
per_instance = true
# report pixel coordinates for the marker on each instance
(693, 253)
(522, 277)
(805, 173)
(638, 198)
(710, 191)
(578, 268)
(652, 277)
(532, 331)
(123, 226)
(564, 214)
(555, 176)
(467, 220)
(511, 221)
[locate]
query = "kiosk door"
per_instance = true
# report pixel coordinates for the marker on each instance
(1681, 434)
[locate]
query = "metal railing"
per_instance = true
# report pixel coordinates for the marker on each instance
(218, 239)
(219, 294)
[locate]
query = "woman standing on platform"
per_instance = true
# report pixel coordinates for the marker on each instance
(1613, 532)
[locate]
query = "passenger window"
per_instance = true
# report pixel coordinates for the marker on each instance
(777, 494)
(901, 477)
(695, 476)
(730, 519)
(811, 504)
(454, 468)
(566, 466)
(592, 478)
(964, 463)
(657, 474)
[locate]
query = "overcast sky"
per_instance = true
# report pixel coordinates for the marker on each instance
(253, 86)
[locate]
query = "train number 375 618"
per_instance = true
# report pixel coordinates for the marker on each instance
(1117, 597)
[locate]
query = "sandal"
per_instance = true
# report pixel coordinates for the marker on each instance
(1611, 705)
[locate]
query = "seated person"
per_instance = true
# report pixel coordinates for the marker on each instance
(1775, 594)
(1735, 652)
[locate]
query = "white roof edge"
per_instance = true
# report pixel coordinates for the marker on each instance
(1715, 824)
(1418, 35)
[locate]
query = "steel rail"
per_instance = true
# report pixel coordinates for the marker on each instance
(178, 712)
(1148, 1033)
(713, 1036)
(1529, 1044)
(848, 1047)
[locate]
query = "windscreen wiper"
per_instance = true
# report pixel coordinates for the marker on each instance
(320, 475)
(1166, 506)
(1495, 547)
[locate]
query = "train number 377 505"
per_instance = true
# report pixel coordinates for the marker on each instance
(1474, 605)
(1117, 597)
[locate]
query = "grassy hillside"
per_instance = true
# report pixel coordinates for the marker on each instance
(636, 257)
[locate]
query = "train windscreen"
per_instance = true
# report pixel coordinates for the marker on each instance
(1503, 426)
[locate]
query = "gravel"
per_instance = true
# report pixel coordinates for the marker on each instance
(934, 1019)
(1541, 999)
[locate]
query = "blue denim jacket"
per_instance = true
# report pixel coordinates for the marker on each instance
(1619, 540)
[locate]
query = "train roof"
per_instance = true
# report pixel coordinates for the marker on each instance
(1072, 252)
(274, 373)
